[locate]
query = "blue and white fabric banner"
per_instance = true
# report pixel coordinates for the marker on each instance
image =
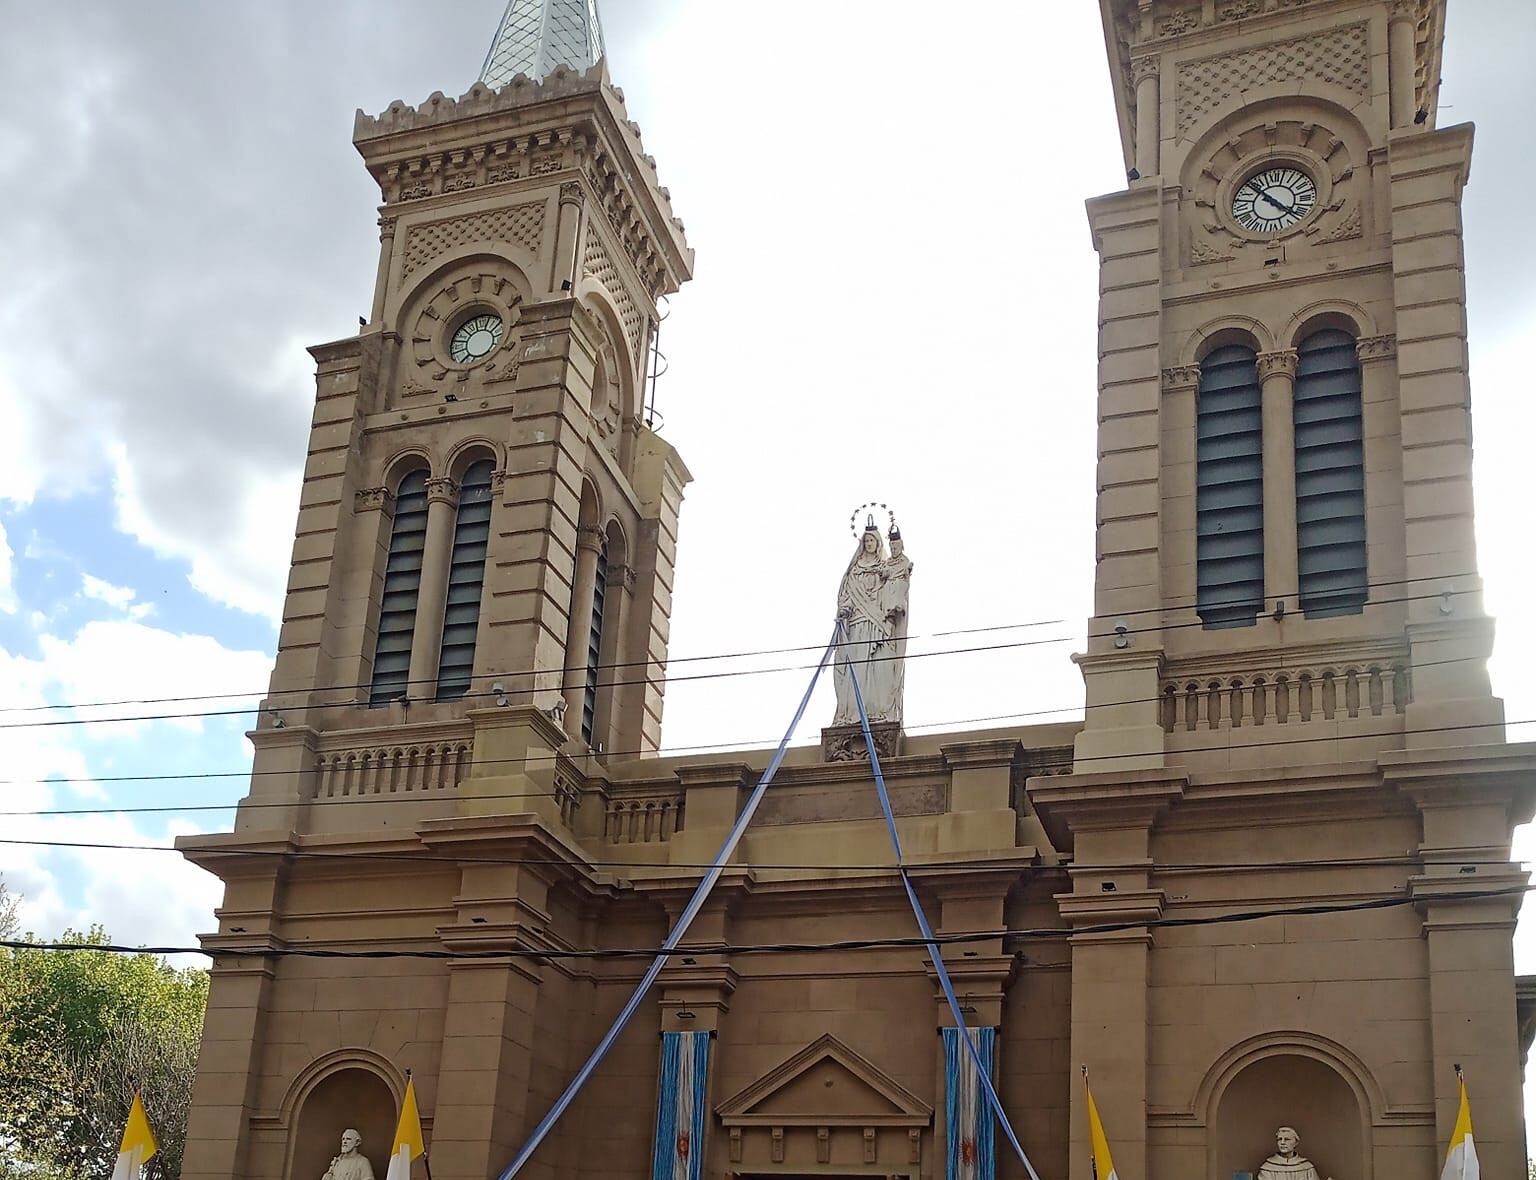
(968, 1116)
(679, 1153)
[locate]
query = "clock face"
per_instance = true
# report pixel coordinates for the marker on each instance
(475, 338)
(1274, 200)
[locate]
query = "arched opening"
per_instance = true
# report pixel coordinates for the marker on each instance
(1330, 475)
(466, 582)
(402, 590)
(349, 1098)
(1291, 1090)
(1229, 488)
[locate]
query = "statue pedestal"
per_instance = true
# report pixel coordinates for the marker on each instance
(845, 743)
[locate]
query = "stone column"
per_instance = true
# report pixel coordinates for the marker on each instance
(1277, 374)
(1145, 71)
(386, 256)
(589, 541)
(621, 585)
(431, 598)
(566, 235)
(1401, 36)
(1385, 562)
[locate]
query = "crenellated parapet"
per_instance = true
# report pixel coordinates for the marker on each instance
(571, 125)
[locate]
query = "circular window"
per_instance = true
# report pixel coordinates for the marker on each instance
(476, 338)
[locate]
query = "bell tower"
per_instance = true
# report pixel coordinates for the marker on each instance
(488, 516)
(1284, 481)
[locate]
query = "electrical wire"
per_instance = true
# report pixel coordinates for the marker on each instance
(1406, 860)
(917, 942)
(561, 673)
(549, 759)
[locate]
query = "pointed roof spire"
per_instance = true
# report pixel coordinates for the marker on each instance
(537, 35)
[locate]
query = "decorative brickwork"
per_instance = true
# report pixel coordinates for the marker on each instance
(1340, 57)
(523, 224)
(596, 262)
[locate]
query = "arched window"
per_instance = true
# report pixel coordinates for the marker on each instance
(1229, 489)
(466, 580)
(1330, 476)
(594, 646)
(402, 586)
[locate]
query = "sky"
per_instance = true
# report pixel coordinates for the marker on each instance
(894, 301)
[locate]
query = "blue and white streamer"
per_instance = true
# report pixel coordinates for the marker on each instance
(967, 1117)
(983, 1073)
(679, 1151)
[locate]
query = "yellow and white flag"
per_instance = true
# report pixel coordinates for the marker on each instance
(1103, 1165)
(139, 1145)
(408, 1144)
(1461, 1160)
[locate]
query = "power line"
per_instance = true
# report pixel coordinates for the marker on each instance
(1406, 860)
(648, 680)
(1015, 934)
(550, 759)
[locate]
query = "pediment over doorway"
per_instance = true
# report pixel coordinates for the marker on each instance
(826, 1084)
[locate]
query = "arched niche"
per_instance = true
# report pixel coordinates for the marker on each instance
(1295, 1090)
(349, 1097)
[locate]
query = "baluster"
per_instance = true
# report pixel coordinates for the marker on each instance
(1213, 705)
(326, 782)
(1261, 700)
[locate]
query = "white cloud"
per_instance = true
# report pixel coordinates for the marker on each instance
(127, 660)
(7, 589)
(117, 597)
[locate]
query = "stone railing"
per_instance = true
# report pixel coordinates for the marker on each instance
(1326, 692)
(648, 818)
(435, 762)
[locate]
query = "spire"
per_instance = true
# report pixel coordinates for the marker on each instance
(537, 35)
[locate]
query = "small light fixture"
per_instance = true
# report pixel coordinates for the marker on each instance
(685, 1014)
(501, 695)
(565, 284)
(1122, 634)
(1421, 116)
(1132, 174)
(1469, 868)
(277, 719)
(690, 962)
(237, 929)
(1445, 603)
(1106, 886)
(478, 921)
(450, 397)
(557, 712)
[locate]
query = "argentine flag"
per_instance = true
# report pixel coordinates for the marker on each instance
(1461, 1160)
(139, 1145)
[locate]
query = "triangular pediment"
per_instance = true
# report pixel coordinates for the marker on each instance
(825, 1084)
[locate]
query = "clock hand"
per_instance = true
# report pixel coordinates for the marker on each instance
(1288, 209)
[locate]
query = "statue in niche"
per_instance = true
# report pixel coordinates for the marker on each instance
(1287, 1163)
(872, 604)
(351, 1164)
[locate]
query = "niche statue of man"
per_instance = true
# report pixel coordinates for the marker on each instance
(351, 1164)
(1287, 1163)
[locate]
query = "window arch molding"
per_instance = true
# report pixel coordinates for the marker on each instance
(467, 453)
(403, 462)
(310, 1078)
(1223, 331)
(419, 287)
(1338, 314)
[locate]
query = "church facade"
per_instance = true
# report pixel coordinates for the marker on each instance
(1287, 707)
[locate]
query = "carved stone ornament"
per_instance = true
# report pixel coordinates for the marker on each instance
(1203, 254)
(372, 499)
(1375, 348)
(1143, 68)
(1181, 377)
(1273, 364)
(443, 490)
(1177, 23)
(1347, 228)
(845, 743)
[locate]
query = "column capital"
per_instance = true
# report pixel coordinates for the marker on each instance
(590, 538)
(1274, 364)
(1181, 377)
(1375, 348)
(622, 575)
(1146, 67)
(444, 491)
(386, 228)
(1404, 10)
(571, 194)
(374, 500)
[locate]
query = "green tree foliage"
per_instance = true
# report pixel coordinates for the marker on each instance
(79, 1030)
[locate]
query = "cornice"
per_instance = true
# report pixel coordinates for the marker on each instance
(1103, 801)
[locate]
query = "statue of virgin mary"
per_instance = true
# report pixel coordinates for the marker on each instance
(872, 604)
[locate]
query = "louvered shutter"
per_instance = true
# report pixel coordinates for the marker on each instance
(466, 581)
(594, 646)
(402, 587)
(1330, 476)
(1229, 489)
